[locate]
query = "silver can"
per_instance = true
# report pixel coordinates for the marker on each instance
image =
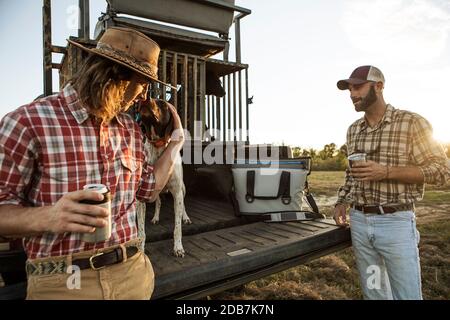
(104, 233)
(356, 157)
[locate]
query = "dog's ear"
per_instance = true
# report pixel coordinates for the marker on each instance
(149, 109)
(149, 112)
(166, 117)
(169, 128)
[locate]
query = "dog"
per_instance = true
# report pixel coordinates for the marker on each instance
(157, 124)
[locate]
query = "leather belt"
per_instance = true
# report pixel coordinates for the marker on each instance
(95, 262)
(374, 209)
(101, 260)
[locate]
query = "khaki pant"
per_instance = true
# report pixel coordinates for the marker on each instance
(132, 279)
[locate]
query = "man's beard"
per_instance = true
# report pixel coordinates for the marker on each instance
(367, 101)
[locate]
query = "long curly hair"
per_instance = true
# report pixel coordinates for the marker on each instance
(101, 85)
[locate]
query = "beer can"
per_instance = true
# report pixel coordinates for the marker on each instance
(104, 233)
(356, 157)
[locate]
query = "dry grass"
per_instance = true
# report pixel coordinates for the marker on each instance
(335, 276)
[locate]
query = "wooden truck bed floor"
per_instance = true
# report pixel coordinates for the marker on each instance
(223, 250)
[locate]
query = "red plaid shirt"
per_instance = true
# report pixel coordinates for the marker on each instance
(51, 147)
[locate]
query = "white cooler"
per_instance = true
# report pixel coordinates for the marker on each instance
(263, 187)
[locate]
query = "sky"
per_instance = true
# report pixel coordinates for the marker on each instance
(296, 50)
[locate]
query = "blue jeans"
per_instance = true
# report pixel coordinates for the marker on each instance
(387, 255)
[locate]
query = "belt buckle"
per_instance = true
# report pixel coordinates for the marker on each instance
(92, 263)
(381, 209)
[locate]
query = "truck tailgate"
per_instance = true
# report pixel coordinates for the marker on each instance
(218, 259)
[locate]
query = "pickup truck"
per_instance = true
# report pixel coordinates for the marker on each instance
(223, 248)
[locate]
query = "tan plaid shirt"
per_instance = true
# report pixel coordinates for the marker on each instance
(402, 138)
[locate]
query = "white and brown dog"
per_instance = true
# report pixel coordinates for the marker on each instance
(157, 122)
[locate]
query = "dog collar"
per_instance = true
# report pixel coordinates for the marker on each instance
(160, 143)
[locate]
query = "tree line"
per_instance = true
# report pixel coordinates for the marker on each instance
(332, 158)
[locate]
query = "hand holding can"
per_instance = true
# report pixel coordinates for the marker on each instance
(104, 233)
(355, 158)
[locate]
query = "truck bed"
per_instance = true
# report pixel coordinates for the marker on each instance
(223, 250)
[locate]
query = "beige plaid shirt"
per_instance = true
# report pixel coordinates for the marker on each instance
(402, 138)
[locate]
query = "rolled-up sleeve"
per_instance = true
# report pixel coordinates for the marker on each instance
(17, 157)
(428, 154)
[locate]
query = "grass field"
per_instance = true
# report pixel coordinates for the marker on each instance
(335, 276)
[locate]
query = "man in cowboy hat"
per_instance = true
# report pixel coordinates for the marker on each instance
(401, 157)
(51, 148)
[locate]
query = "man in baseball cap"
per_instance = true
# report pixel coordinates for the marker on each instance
(366, 84)
(401, 156)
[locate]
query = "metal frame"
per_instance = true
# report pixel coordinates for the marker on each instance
(227, 115)
(48, 48)
(221, 4)
(83, 28)
(237, 34)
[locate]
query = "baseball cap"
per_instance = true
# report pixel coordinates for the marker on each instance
(361, 75)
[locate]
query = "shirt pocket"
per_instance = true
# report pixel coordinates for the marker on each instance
(394, 157)
(131, 168)
(129, 163)
(129, 178)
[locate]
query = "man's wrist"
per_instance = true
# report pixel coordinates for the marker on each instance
(42, 220)
(28, 221)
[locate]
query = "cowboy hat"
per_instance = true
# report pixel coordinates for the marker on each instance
(129, 48)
